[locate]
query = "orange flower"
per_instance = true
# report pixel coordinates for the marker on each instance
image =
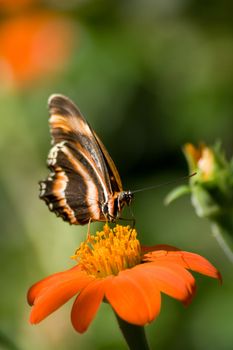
(112, 266)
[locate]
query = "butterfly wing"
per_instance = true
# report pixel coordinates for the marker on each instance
(114, 177)
(83, 176)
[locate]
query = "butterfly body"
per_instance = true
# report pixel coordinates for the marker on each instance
(83, 184)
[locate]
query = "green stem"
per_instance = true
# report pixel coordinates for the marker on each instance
(222, 230)
(134, 335)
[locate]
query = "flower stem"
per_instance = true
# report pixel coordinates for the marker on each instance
(223, 232)
(134, 335)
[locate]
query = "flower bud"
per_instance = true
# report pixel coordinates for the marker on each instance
(212, 187)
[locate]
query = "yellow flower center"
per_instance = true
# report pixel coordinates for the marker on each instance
(109, 251)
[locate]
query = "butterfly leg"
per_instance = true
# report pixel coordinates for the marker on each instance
(89, 230)
(129, 219)
(132, 219)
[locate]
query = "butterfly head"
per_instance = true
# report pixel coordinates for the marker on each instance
(125, 198)
(113, 207)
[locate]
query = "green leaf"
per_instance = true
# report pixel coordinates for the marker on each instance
(204, 203)
(176, 193)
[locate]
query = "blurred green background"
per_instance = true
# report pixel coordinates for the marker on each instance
(149, 76)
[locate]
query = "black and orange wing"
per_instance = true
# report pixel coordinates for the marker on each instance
(83, 176)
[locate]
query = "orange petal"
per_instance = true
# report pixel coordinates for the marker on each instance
(134, 296)
(171, 279)
(86, 304)
(193, 152)
(164, 247)
(199, 264)
(49, 281)
(50, 299)
(188, 260)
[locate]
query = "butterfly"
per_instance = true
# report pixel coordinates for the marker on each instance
(84, 184)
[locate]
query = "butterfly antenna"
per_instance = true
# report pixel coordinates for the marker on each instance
(164, 183)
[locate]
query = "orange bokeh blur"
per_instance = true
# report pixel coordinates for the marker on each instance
(13, 5)
(33, 45)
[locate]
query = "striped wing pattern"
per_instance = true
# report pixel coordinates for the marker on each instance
(83, 177)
